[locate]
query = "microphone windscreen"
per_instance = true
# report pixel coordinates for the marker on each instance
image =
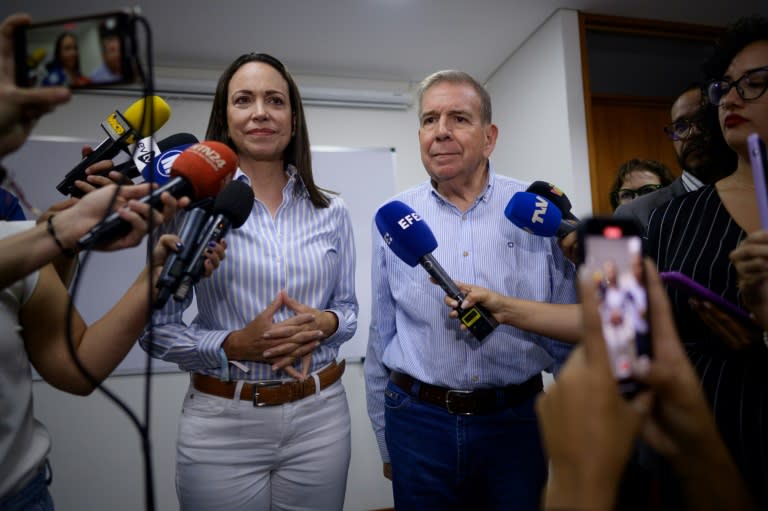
(205, 166)
(534, 214)
(36, 57)
(171, 147)
(235, 202)
(405, 232)
(138, 115)
(554, 195)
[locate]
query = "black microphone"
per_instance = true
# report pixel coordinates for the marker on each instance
(556, 196)
(122, 131)
(174, 265)
(197, 173)
(411, 239)
(230, 210)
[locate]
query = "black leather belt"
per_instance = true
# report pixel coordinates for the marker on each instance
(468, 402)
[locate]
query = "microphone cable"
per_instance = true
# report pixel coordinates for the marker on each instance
(143, 428)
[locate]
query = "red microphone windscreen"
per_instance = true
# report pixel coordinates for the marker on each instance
(205, 166)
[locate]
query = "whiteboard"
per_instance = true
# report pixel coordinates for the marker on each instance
(363, 177)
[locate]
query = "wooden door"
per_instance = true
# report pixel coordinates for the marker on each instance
(622, 121)
(624, 128)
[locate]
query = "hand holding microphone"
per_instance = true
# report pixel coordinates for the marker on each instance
(411, 239)
(68, 225)
(140, 120)
(152, 161)
(197, 173)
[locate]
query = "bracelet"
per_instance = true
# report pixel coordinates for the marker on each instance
(49, 227)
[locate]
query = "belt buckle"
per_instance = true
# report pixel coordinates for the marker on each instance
(263, 383)
(448, 401)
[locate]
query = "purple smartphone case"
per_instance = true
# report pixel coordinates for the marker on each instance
(680, 281)
(756, 149)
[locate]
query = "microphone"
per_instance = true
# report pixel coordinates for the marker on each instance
(174, 265)
(554, 195)
(411, 239)
(122, 131)
(230, 210)
(147, 152)
(36, 57)
(197, 173)
(160, 168)
(536, 215)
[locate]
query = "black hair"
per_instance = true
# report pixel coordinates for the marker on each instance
(739, 35)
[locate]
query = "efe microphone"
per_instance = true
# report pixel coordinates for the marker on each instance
(230, 210)
(411, 239)
(122, 131)
(197, 173)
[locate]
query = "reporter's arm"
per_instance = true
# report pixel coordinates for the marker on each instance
(588, 428)
(30, 250)
(100, 347)
(554, 320)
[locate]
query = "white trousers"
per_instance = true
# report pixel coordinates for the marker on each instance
(234, 456)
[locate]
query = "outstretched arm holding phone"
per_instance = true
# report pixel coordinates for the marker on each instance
(589, 428)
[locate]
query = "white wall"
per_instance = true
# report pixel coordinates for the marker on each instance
(538, 106)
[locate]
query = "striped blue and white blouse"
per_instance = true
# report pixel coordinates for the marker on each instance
(307, 251)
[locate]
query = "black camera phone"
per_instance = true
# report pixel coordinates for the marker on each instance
(88, 51)
(612, 252)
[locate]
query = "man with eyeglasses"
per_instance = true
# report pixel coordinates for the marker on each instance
(701, 153)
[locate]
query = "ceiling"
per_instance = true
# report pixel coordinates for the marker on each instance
(397, 40)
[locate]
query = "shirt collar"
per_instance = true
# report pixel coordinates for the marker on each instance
(690, 182)
(294, 179)
(485, 196)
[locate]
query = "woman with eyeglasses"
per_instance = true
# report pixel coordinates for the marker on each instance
(695, 235)
(636, 178)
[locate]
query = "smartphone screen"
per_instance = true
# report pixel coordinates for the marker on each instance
(613, 255)
(80, 52)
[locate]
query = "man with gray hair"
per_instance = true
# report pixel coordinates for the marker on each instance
(453, 416)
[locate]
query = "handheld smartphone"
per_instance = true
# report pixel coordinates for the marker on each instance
(693, 288)
(88, 51)
(612, 251)
(757, 160)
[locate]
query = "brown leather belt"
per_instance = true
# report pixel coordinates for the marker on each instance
(269, 392)
(468, 402)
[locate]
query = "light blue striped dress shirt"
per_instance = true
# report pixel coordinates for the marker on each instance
(410, 329)
(307, 251)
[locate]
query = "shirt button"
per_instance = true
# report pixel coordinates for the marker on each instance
(475, 379)
(463, 218)
(465, 254)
